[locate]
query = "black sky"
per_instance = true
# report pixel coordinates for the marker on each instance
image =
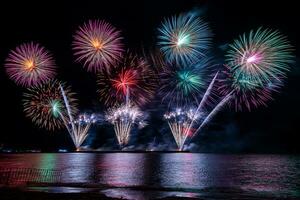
(272, 129)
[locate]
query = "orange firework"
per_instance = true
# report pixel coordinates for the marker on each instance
(30, 64)
(97, 44)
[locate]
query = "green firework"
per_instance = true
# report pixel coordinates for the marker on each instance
(56, 108)
(189, 82)
(259, 57)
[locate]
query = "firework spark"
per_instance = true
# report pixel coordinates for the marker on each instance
(123, 119)
(98, 45)
(259, 57)
(44, 104)
(81, 126)
(30, 64)
(132, 78)
(179, 122)
(184, 39)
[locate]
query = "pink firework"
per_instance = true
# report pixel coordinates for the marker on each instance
(247, 93)
(30, 64)
(97, 44)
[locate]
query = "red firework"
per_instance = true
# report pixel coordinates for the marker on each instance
(133, 78)
(125, 80)
(30, 64)
(97, 44)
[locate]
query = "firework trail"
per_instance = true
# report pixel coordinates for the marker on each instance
(183, 122)
(259, 57)
(184, 39)
(256, 66)
(132, 78)
(53, 106)
(214, 112)
(30, 64)
(67, 107)
(201, 104)
(81, 128)
(97, 44)
(179, 121)
(123, 119)
(44, 104)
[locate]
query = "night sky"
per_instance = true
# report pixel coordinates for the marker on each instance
(274, 129)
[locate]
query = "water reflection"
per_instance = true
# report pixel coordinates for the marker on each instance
(270, 173)
(139, 175)
(47, 161)
(182, 171)
(122, 169)
(178, 170)
(78, 167)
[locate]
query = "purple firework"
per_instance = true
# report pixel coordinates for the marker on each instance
(247, 93)
(30, 64)
(97, 44)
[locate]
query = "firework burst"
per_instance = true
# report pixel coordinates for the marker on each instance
(132, 79)
(97, 44)
(259, 57)
(30, 64)
(180, 86)
(184, 39)
(247, 93)
(123, 119)
(44, 104)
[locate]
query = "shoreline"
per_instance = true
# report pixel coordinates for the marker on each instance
(18, 193)
(8, 193)
(21, 193)
(95, 151)
(147, 152)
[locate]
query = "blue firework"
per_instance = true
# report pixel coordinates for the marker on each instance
(184, 38)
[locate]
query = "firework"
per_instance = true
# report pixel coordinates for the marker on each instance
(97, 44)
(186, 85)
(184, 39)
(81, 127)
(185, 122)
(123, 119)
(44, 104)
(179, 122)
(259, 57)
(78, 129)
(30, 64)
(87, 118)
(247, 93)
(132, 79)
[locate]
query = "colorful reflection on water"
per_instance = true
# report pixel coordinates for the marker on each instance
(141, 175)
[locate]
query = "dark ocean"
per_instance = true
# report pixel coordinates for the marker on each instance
(157, 175)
